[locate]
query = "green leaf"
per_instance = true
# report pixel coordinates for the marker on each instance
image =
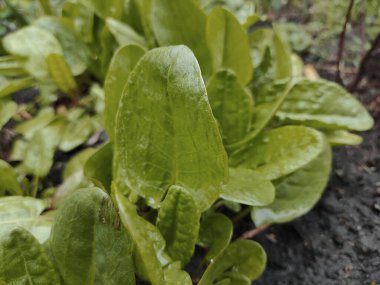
(28, 128)
(243, 256)
(25, 212)
(235, 278)
(215, 234)
(98, 167)
(8, 180)
(297, 193)
(60, 72)
(77, 162)
(8, 87)
(174, 275)
(186, 26)
(76, 133)
(136, 226)
(280, 151)
(7, 110)
(104, 9)
(124, 34)
(228, 44)
(164, 116)
(342, 137)
(24, 261)
(178, 221)
(248, 187)
(11, 65)
(232, 105)
(324, 104)
(122, 64)
(88, 243)
(283, 60)
(35, 44)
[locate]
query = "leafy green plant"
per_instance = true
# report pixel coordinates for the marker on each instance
(205, 121)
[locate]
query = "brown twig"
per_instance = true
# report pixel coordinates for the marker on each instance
(342, 37)
(252, 233)
(363, 64)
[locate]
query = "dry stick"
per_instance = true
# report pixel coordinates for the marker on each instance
(252, 233)
(363, 64)
(341, 41)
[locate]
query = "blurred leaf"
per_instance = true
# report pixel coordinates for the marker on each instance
(282, 54)
(174, 275)
(122, 63)
(104, 9)
(76, 133)
(342, 137)
(7, 110)
(228, 44)
(61, 74)
(124, 34)
(77, 162)
(25, 212)
(298, 192)
(11, 66)
(31, 126)
(8, 180)
(8, 87)
(247, 187)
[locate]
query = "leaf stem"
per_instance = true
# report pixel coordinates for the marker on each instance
(242, 214)
(35, 182)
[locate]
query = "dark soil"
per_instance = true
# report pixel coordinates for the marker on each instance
(338, 242)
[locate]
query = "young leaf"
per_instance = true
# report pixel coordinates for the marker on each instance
(77, 162)
(7, 110)
(280, 151)
(104, 9)
(122, 64)
(186, 26)
(232, 105)
(298, 192)
(342, 137)
(88, 243)
(76, 133)
(124, 34)
(228, 44)
(35, 44)
(16, 211)
(174, 275)
(8, 87)
(11, 65)
(164, 117)
(98, 167)
(8, 180)
(136, 226)
(246, 186)
(28, 128)
(61, 73)
(324, 104)
(215, 234)
(282, 54)
(24, 261)
(178, 221)
(243, 256)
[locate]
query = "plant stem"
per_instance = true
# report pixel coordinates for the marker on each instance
(35, 181)
(241, 214)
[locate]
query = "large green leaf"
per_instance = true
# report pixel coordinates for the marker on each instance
(8, 180)
(244, 256)
(88, 243)
(215, 234)
(122, 64)
(16, 211)
(298, 192)
(228, 44)
(324, 104)
(124, 34)
(165, 118)
(248, 187)
(232, 105)
(136, 226)
(24, 261)
(35, 44)
(178, 221)
(182, 22)
(280, 151)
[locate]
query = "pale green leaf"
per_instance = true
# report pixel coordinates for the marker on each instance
(77, 162)
(324, 104)
(164, 117)
(61, 73)
(8, 87)
(215, 234)
(11, 65)
(7, 110)
(182, 22)
(282, 56)
(76, 133)
(232, 105)
(122, 64)
(104, 9)
(178, 222)
(280, 151)
(248, 187)
(342, 137)
(88, 242)
(25, 212)
(297, 193)
(8, 180)
(136, 226)
(24, 261)
(174, 275)
(28, 128)
(228, 44)
(243, 256)
(124, 34)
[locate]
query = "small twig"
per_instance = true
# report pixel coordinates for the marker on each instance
(363, 64)
(254, 232)
(342, 37)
